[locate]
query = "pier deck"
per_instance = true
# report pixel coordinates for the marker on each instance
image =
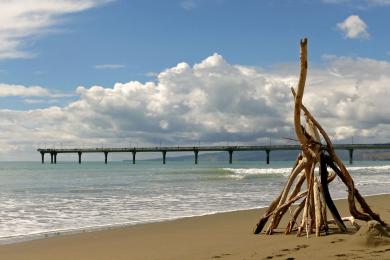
(196, 149)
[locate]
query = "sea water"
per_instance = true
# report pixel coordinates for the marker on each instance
(40, 200)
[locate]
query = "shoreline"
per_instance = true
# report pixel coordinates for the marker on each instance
(223, 235)
(66, 232)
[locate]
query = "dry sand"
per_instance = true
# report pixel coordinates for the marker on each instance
(219, 236)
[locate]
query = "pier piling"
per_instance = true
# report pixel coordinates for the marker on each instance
(164, 153)
(350, 156)
(43, 157)
(105, 157)
(51, 158)
(79, 153)
(230, 156)
(196, 156)
(133, 156)
(268, 152)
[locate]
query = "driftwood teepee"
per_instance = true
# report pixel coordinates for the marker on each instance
(316, 198)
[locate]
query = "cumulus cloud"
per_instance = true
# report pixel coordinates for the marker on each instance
(212, 101)
(353, 28)
(23, 19)
(10, 90)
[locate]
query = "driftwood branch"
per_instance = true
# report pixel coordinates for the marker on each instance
(298, 98)
(316, 198)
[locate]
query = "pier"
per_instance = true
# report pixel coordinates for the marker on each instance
(196, 149)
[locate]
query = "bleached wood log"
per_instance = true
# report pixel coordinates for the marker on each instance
(294, 193)
(331, 176)
(298, 169)
(311, 212)
(306, 220)
(347, 179)
(299, 209)
(264, 219)
(312, 130)
(284, 206)
(295, 215)
(349, 219)
(353, 222)
(317, 205)
(324, 217)
(317, 195)
(298, 99)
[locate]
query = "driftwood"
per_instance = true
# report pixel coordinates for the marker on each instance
(316, 198)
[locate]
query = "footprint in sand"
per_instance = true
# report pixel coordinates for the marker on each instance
(220, 256)
(345, 256)
(381, 251)
(337, 240)
(285, 251)
(298, 247)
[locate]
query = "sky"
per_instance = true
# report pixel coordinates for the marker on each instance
(121, 73)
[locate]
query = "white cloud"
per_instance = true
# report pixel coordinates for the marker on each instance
(212, 101)
(164, 124)
(354, 27)
(21, 20)
(40, 101)
(109, 66)
(7, 90)
(10, 90)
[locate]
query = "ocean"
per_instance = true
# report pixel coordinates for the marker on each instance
(46, 200)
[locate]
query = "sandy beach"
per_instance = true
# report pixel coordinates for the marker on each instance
(218, 236)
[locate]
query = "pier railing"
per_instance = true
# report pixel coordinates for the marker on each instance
(196, 149)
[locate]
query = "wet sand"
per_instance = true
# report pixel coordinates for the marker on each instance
(219, 236)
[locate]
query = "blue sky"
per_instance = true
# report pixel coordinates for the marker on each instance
(52, 47)
(150, 36)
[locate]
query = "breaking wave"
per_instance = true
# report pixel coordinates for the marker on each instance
(241, 173)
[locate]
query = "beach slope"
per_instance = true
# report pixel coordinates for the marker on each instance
(218, 236)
